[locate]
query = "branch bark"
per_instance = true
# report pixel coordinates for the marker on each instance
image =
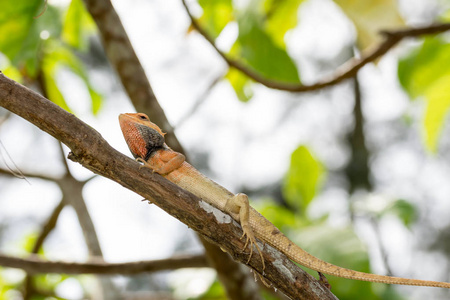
(94, 153)
(34, 265)
(346, 71)
(124, 60)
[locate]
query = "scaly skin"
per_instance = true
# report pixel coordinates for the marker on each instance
(146, 142)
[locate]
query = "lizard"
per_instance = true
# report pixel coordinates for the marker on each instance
(147, 144)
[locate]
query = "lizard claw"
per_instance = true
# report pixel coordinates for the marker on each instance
(148, 200)
(144, 164)
(140, 160)
(250, 240)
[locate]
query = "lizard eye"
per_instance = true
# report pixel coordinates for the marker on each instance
(143, 117)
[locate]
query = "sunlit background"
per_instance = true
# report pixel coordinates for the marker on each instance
(401, 221)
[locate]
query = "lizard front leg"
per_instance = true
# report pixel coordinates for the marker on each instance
(239, 206)
(164, 161)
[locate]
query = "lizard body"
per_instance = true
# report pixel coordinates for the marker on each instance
(146, 142)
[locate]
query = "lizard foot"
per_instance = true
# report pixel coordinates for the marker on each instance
(140, 160)
(144, 164)
(250, 240)
(266, 284)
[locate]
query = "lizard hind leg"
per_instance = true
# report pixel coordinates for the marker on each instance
(238, 205)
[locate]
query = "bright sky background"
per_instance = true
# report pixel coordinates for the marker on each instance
(245, 144)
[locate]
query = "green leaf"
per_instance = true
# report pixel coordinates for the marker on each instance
(216, 15)
(303, 178)
(78, 24)
(280, 216)
(257, 48)
(422, 75)
(370, 17)
(96, 100)
(404, 210)
(281, 16)
(262, 25)
(16, 18)
(57, 58)
(24, 46)
(10, 71)
(49, 282)
(240, 84)
(438, 96)
(423, 66)
(49, 72)
(215, 291)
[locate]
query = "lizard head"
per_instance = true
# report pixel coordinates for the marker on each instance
(142, 136)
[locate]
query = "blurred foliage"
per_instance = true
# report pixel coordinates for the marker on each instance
(379, 207)
(404, 210)
(215, 292)
(34, 49)
(370, 17)
(260, 43)
(303, 179)
(421, 73)
(216, 15)
(340, 247)
(45, 45)
(280, 17)
(17, 17)
(78, 26)
(8, 288)
(280, 216)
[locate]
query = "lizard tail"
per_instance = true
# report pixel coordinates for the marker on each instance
(272, 236)
(303, 258)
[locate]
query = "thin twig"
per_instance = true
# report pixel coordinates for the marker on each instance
(384, 253)
(29, 175)
(346, 71)
(200, 100)
(43, 10)
(63, 158)
(49, 225)
(17, 172)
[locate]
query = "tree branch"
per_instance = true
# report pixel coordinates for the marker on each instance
(94, 153)
(35, 265)
(124, 60)
(346, 71)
